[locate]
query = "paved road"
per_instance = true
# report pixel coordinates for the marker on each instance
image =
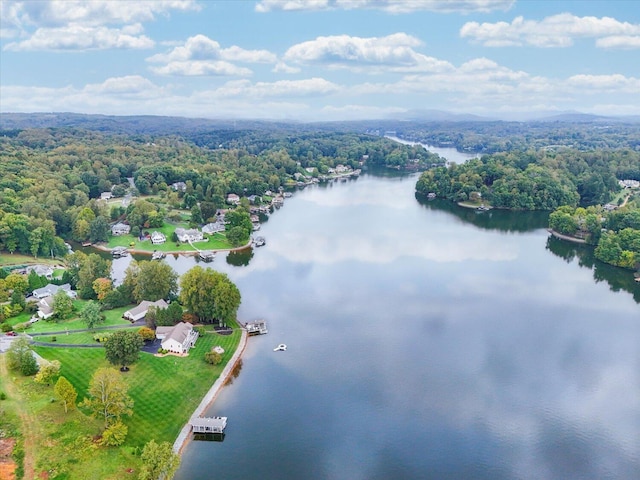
(5, 343)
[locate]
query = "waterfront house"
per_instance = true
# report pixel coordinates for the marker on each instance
(120, 229)
(50, 290)
(189, 235)
(177, 339)
(211, 228)
(139, 312)
(158, 238)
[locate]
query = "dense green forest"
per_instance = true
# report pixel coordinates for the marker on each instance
(493, 137)
(52, 176)
(535, 180)
(614, 233)
(51, 179)
(578, 185)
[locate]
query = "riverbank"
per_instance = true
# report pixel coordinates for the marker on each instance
(565, 237)
(185, 434)
(104, 248)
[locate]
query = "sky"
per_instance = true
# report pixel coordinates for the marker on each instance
(317, 60)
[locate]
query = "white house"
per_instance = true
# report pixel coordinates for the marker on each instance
(178, 338)
(191, 235)
(179, 186)
(45, 307)
(50, 290)
(158, 238)
(233, 198)
(211, 228)
(106, 196)
(141, 310)
(120, 229)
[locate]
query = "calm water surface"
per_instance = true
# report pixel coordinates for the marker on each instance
(425, 342)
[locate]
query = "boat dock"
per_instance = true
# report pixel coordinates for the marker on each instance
(207, 255)
(118, 252)
(208, 424)
(258, 327)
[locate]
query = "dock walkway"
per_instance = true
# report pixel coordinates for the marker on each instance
(208, 399)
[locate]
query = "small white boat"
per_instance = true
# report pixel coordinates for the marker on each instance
(280, 348)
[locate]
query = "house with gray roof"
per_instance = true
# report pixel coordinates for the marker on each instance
(45, 308)
(190, 235)
(51, 289)
(178, 338)
(120, 229)
(139, 312)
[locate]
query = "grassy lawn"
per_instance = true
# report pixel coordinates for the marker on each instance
(77, 338)
(63, 445)
(166, 390)
(113, 317)
(21, 318)
(14, 259)
(217, 241)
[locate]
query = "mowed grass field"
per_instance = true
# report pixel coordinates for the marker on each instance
(165, 390)
(112, 317)
(217, 241)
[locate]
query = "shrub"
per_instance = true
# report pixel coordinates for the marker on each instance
(114, 435)
(53, 339)
(189, 318)
(214, 358)
(5, 327)
(101, 337)
(3, 396)
(147, 334)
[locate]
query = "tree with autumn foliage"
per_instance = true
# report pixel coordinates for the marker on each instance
(102, 286)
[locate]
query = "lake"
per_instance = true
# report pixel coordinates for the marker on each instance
(425, 341)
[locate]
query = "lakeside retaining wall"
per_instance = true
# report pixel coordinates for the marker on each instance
(207, 400)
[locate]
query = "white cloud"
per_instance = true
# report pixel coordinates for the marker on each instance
(78, 37)
(282, 88)
(128, 85)
(137, 95)
(389, 6)
(59, 13)
(82, 24)
(282, 67)
(130, 94)
(606, 83)
(479, 86)
(200, 55)
(201, 47)
(190, 68)
(555, 31)
(619, 41)
(374, 54)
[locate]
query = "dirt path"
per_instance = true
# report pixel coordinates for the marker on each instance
(27, 418)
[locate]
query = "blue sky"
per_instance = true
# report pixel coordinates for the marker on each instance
(319, 59)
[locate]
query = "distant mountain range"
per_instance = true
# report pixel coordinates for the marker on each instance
(569, 117)
(151, 124)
